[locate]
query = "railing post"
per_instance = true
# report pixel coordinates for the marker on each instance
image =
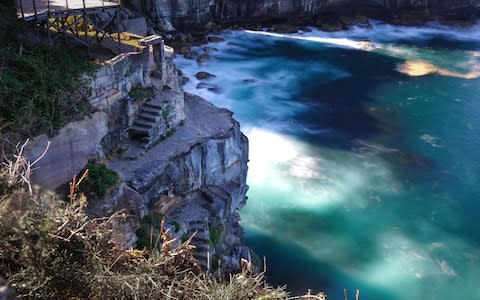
(35, 10)
(21, 8)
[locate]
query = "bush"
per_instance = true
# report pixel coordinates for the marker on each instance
(215, 235)
(100, 180)
(140, 94)
(40, 87)
(50, 249)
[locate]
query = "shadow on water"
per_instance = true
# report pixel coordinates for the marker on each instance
(303, 272)
(342, 106)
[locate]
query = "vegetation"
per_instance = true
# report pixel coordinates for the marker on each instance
(215, 235)
(140, 94)
(148, 232)
(100, 180)
(41, 87)
(50, 249)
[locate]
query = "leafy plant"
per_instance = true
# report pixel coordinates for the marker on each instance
(140, 94)
(42, 87)
(100, 180)
(215, 235)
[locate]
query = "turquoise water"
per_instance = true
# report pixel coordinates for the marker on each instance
(360, 176)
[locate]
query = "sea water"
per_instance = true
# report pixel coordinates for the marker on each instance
(364, 165)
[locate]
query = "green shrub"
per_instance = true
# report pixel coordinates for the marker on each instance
(100, 179)
(40, 87)
(140, 94)
(215, 235)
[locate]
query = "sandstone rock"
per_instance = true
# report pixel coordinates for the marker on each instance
(137, 25)
(203, 75)
(208, 86)
(349, 21)
(285, 28)
(69, 150)
(203, 58)
(330, 26)
(215, 39)
(209, 49)
(6, 291)
(185, 79)
(164, 25)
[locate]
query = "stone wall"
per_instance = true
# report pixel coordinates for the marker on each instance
(102, 132)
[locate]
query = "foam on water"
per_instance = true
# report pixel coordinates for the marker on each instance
(352, 209)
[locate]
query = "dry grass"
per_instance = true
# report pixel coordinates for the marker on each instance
(50, 249)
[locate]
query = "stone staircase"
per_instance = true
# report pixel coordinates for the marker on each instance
(201, 242)
(150, 124)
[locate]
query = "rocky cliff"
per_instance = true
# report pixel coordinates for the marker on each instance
(179, 157)
(190, 14)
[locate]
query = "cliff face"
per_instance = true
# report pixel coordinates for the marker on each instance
(192, 13)
(177, 155)
(197, 179)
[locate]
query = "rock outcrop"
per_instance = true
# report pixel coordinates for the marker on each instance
(197, 179)
(177, 155)
(6, 291)
(190, 14)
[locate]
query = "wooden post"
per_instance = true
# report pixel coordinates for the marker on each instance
(47, 24)
(35, 10)
(117, 17)
(85, 24)
(21, 8)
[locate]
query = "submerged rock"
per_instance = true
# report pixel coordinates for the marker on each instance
(215, 39)
(203, 58)
(204, 75)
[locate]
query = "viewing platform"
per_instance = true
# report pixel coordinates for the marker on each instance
(37, 10)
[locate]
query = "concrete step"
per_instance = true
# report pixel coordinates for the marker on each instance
(153, 105)
(148, 117)
(151, 110)
(143, 123)
(140, 130)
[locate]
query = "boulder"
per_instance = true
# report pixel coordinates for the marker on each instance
(203, 58)
(208, 86)
(69, 151)
(136, 25)
(204, 75)
(209, 49)
(215, 39)
(285, 28)
(6, 291)
(165, 26)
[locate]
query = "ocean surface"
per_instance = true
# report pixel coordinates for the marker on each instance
(364, 165)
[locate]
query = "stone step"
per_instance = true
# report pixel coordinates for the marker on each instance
(200, 234)
(153, 105)
(201, 255)
(143, 123)
(198, 227)
(148, 117)
(203, 248)
(140, 130)
(200, 241)
(151, 110)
